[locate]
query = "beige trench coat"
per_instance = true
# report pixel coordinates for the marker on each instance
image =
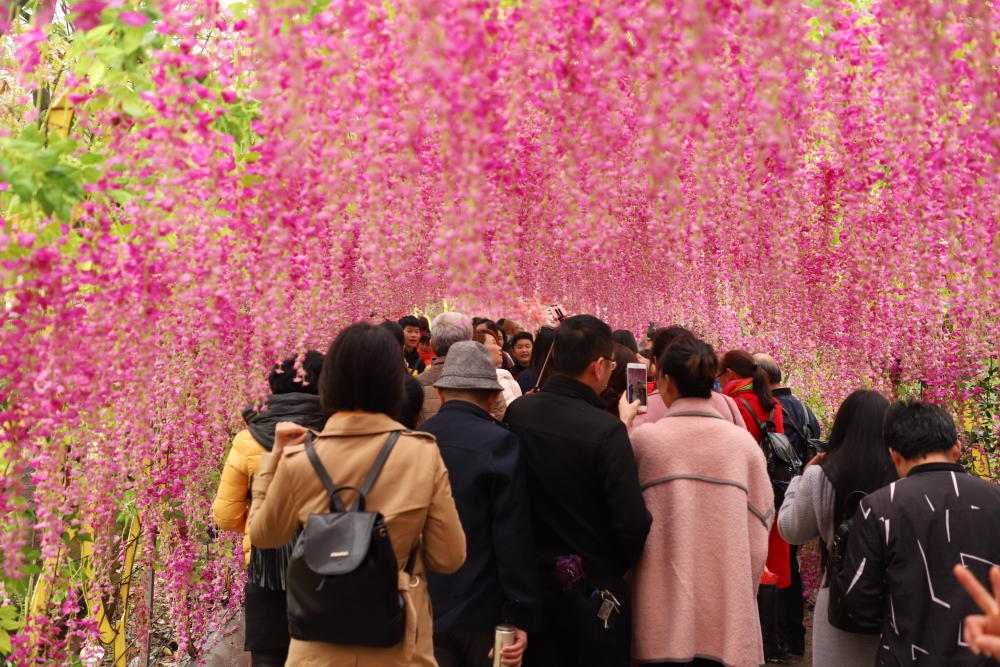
(412, 492)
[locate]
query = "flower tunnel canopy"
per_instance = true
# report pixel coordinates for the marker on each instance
(190, 192)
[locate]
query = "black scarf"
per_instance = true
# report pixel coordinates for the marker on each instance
(268, 566)
(303, 409)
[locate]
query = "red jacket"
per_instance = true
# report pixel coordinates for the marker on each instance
(742, 388)
(778, 556)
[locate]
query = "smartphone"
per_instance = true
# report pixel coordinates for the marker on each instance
(556, 313)
(635, 376)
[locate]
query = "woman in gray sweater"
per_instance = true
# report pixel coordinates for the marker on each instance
(855, 459)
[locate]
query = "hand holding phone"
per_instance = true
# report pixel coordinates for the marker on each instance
(635, 377)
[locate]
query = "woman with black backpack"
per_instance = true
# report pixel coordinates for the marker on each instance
(375, 507)
(855, 463)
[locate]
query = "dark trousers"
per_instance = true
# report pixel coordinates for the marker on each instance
(791, 609)
(266, 636)
(463, 649)
(572, 635)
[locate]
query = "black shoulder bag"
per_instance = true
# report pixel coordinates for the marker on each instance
(782, 462)
(343, 581)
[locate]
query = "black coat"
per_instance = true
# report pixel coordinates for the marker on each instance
(582, 479)
(897, 572)
(499, 580)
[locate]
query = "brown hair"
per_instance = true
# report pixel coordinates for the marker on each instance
(742, 363)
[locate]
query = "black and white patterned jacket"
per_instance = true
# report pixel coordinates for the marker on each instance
(897, 571)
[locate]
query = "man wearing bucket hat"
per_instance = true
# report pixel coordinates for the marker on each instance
(499, 582)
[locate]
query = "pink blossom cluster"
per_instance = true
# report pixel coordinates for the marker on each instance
(813, 180)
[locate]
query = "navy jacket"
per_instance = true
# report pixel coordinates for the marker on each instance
(499, 581)
(799, 421)
(582, 479)
(897, 574)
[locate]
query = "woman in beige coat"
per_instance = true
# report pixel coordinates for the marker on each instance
(362, 381)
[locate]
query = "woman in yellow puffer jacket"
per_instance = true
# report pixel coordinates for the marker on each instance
(293, 399)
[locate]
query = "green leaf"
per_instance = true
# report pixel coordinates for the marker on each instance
(101, 31)
(4, 642)
(132, 39)
(22, 185)
(91, 158)
(96, 72)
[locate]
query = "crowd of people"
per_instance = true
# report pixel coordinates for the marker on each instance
(518, 484)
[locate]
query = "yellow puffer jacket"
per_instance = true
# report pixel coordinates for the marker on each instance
(232, 501)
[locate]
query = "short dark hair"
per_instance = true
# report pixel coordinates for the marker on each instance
(519, 336)
(409, 321)
(424, 324)
(626, 338)
(363, 370)
(692, 365)
(915, 429)
(413, 402)
(395, 330)
(284, 377)
(580, 340)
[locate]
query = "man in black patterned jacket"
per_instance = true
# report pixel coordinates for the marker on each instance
(897, 577)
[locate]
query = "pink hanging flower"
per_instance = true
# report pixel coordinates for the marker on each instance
(136, 19)
(88, 13)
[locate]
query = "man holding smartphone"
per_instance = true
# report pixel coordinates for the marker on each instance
(589, 518)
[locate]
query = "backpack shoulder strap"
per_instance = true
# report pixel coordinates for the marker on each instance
(753, 414)
(390, 442)
(335, 503)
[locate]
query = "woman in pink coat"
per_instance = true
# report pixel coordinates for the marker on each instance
(705, 481)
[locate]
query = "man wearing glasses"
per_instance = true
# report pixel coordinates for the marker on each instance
(589, 518)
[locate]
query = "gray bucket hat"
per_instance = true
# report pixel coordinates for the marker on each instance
(468, 365)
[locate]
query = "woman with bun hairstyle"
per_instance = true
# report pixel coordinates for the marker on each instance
(661, 340)
(704, 480)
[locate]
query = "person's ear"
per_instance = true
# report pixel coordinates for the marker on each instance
(956, 452)
(491, 400)
(441, 395)
(897, 458)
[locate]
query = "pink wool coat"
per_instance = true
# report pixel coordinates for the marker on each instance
(705, 482)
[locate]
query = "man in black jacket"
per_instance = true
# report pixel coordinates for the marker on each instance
(800, 425)
(590, 520)
(499, 580)
(896, 578)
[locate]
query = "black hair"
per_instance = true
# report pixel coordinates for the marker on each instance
(409, 321)
(661, 339)
(413, 402)
(284, 377)
(692, 365)
(363, 370)
(741, 362)
(915, 429)
(626, 338)
(498, 333)
(424, 324)
(519, 336)
(856, 456)
(623, 356)
(580, 340)
(395, 330)
(425, 337)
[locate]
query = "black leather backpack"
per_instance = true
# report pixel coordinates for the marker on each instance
(342, 578)
(782, 462)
